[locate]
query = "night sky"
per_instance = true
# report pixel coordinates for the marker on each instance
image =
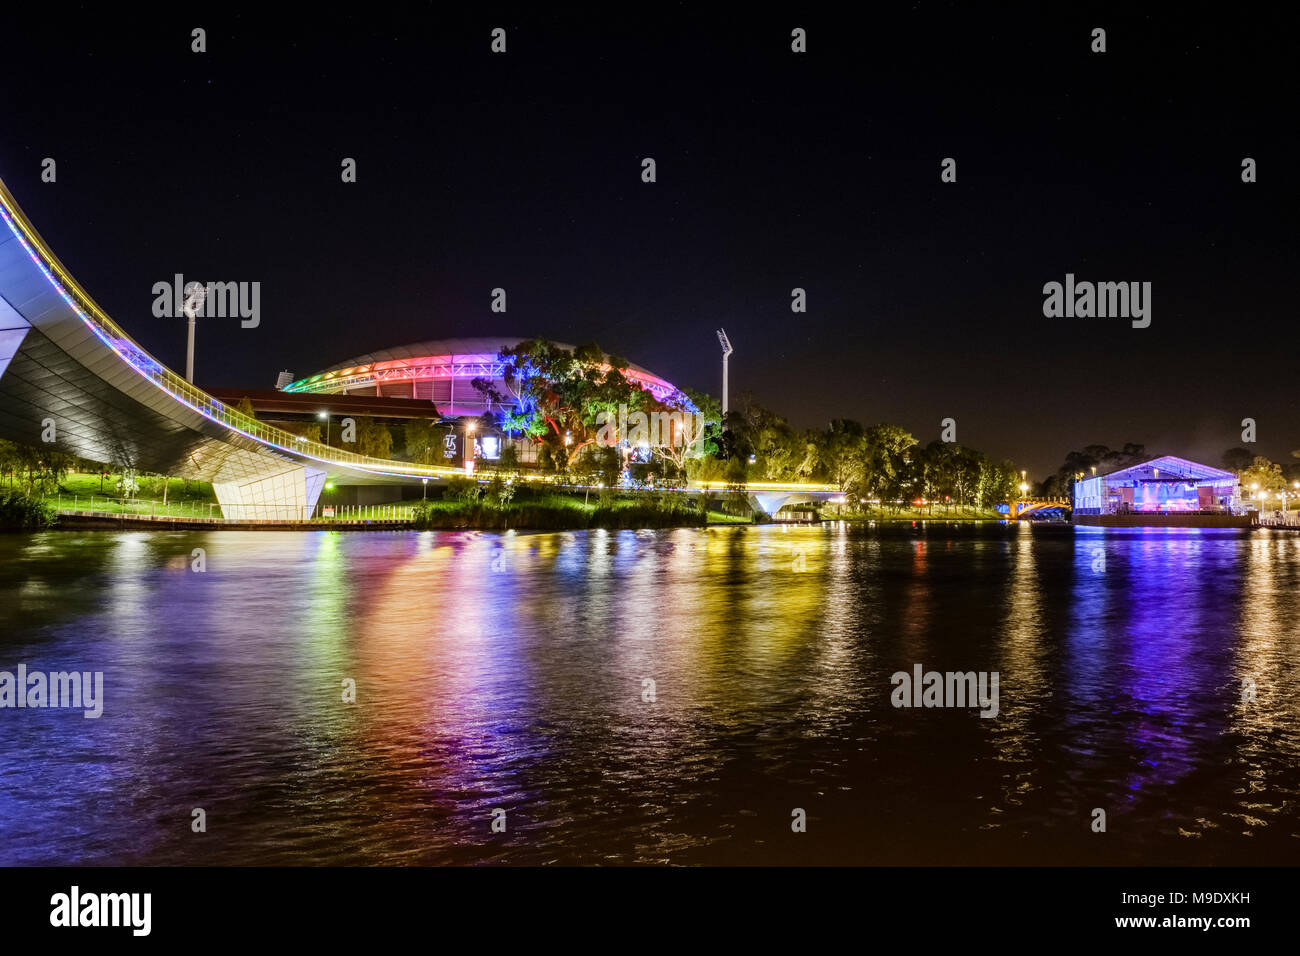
(775, 170)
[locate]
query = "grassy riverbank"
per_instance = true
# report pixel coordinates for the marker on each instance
(916, 514)
(471, 506)
(81, 491)
(557, 512)
(465, 505)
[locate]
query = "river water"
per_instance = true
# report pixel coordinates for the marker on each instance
(512, 672)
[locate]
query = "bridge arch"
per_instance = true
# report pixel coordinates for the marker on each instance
(1023, 507)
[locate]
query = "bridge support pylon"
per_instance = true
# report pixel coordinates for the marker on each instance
(289, 495)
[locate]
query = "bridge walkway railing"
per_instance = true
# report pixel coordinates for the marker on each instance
(175, 385)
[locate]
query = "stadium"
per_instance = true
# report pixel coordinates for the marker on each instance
(443, 371)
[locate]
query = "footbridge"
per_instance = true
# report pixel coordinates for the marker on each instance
(71, 376)
(772, 496)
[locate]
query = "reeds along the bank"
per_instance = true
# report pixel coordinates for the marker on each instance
(558, 514)
(22, 512)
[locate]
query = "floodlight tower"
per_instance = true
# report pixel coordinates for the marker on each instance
(726, 353)
(194, 297)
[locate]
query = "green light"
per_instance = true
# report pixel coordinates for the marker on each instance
(329, 486)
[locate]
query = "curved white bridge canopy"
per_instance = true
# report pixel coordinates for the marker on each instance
(69, 374)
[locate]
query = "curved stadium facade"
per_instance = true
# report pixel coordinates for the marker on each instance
(442, 371)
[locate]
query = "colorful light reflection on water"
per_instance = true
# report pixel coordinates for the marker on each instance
(507, 671)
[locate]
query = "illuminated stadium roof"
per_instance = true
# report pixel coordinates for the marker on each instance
(441, 371)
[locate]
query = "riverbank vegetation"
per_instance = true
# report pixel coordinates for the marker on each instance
(880, 471)
(501, 504)
(20, 511)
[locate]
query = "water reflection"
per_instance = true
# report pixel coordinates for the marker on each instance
(654, 696)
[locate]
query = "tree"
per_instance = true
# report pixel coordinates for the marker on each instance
(999, 483)
(970, 473)
(709, 468)
(935, 468)
(40, 468)
(424, 441)
(1237, 459)
(780, 452)
(245, 407)
(546, 462)
(308, 431)
(838, 454)
(1262, 475)
(564, 397)
(10, 460)
(887, 450)
(598, 465)
(689, 429)
(710, 411)
(737, 473)
(683, 430)
(1101, 457)
(373, 439)
(508, 463)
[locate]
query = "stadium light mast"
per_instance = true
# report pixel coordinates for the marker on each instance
(726, 354)
(194, 297)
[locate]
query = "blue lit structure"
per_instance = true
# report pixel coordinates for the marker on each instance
(1162, 492)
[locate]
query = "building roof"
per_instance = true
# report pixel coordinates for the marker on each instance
(488, 346)
(1171, 468)
(277, 402)
(453, 359)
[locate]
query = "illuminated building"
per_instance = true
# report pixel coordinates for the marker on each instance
(443, 372)
(1163, 492)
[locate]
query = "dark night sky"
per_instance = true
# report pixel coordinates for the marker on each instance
(775, 171)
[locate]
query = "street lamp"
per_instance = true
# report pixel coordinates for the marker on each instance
(424, 490)
(326, 417)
